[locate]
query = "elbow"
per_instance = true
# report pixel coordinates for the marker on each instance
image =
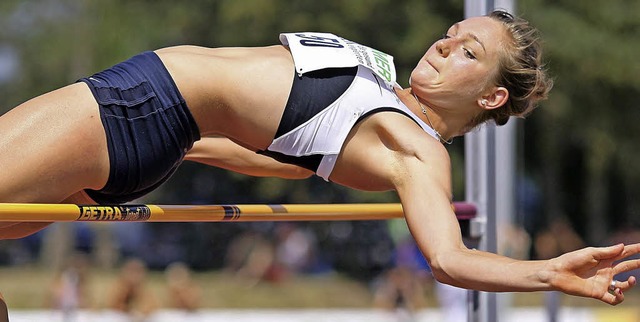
(443, 268)
(303, 173)
(295, 172)
(439, 272)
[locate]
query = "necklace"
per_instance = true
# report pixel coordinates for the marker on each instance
(424, 111)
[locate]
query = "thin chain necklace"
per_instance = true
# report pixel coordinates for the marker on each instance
(424, 111)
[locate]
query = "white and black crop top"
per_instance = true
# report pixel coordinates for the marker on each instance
(339, 83)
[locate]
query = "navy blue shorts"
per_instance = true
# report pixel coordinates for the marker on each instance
(148, 125)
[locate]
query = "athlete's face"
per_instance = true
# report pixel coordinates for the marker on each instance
(461, 66)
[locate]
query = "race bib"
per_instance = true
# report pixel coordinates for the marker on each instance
(313, 51)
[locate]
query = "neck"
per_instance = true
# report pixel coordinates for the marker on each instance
(447, 125)
(426, 115)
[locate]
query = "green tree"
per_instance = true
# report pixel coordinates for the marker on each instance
(585, 135)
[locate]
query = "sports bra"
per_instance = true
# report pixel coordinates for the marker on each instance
(329, 96)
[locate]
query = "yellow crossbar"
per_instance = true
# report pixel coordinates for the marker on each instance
(208, 213)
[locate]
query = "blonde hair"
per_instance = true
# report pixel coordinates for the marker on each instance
(520, 70)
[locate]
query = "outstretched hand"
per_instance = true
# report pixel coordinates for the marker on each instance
(589, 272)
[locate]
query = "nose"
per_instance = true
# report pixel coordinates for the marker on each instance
(443, 47)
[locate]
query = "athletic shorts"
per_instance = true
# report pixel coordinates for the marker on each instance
(148, 125)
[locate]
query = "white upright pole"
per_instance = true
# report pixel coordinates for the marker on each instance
(480, 189)
(486, 150)
(506, 181)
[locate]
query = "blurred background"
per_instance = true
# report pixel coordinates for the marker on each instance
(578, 174)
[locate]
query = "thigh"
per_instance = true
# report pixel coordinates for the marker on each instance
(52, 146)
(14, 230)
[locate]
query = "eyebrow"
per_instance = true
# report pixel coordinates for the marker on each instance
(478, 40)
(473, 36)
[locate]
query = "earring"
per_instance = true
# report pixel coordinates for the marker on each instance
(484, 103)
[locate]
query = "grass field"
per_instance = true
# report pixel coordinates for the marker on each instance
(28, 288)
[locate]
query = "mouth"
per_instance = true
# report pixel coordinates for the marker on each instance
(432, 66)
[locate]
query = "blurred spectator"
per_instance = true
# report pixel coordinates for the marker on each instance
(359, 249)
(557, 239)
(60, 240)
(513, 241)
(452, 301)
(69, 290)
(130, 293)
(184, 293)
(21, 251)
(399, 288)
(295, 249)
(402, 287)
(250, 257)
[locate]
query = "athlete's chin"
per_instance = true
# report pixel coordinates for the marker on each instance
(432, 92)
(425, 78)
(432, 87)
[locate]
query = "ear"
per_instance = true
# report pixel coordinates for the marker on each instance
(494, 99)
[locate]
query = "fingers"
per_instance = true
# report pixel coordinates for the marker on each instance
(616, 252)
(614, 294)
(611, 252)
(626, 266)
(624, 286)
(629, 250)
(614, 298)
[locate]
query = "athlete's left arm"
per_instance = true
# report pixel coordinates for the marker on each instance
(223, 153)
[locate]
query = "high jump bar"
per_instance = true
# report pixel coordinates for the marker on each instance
(29, 212)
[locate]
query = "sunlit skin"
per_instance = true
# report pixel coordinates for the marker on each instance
(237, 97)
(457, 72)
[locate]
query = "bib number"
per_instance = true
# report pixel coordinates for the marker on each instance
(316, 41)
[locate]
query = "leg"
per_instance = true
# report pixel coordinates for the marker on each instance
(4, 314)
(51, 147)
(16, 230)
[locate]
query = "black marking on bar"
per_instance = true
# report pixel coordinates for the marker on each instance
(113, 213)
(231, 213)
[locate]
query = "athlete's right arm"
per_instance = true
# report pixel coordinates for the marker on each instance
(422, 180)
(223, 153)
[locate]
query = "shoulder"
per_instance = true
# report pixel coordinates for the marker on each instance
(418, 164)
(402, 135)
(390, 151)
(413, 153)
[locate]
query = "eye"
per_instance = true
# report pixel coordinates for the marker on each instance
(469, 54)
(445, 36)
